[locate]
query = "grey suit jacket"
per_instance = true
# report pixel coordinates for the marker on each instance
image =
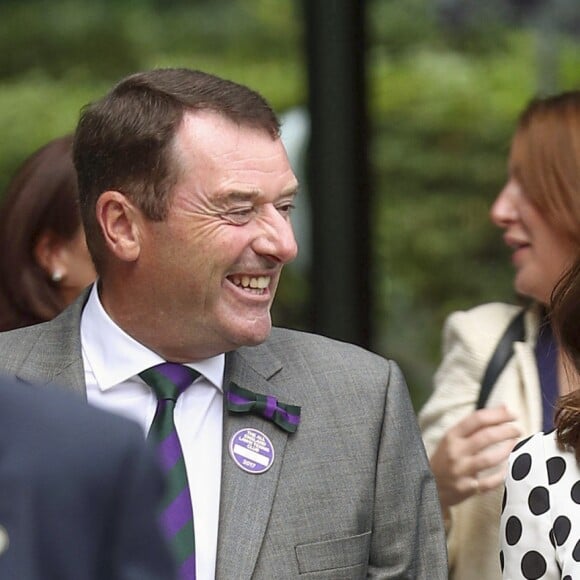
(348, 496)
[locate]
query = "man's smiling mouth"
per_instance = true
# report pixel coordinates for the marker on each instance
(253, 284)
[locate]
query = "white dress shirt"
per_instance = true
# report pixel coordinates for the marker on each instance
(112, 361)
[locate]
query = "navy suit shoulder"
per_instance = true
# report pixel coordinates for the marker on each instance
(72, 475)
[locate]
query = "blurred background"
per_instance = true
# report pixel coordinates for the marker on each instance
(397, 116)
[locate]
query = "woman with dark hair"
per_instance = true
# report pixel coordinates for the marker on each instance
(44, 263)
(540, 522)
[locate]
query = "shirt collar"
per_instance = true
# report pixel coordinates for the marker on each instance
(115, 357)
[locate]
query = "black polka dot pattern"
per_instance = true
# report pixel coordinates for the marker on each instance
(521, 466)
(556, 468)
(513, 531)
(575, 493)
(540, 521)
(533, 565)
(539, 501)
(562, 527)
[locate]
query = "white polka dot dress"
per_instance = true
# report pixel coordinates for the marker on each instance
(540, 521)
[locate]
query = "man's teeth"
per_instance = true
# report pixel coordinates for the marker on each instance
(258, 282)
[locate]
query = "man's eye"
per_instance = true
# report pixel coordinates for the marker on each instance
(286, 208)
(239, 216)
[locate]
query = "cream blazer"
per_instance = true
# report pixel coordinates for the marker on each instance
(469, 340)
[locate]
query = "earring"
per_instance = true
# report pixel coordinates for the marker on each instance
(57, 276)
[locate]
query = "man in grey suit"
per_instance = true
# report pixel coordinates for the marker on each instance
(302, 454)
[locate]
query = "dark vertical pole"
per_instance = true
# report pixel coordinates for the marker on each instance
(338, 168)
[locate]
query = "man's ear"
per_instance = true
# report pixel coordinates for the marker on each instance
(119, 220)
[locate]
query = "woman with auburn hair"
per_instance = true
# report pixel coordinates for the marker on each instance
(44, 263)
(540, 522)
(501, 373)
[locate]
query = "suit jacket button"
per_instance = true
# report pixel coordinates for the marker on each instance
(4, 541)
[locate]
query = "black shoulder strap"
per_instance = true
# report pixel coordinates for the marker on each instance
(502, 354)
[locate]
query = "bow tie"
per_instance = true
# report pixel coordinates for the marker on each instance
(240, 400)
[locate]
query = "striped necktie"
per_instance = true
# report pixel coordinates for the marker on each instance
(168, 381)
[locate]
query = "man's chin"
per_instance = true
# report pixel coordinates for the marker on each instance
(255, 334)
(256, 338)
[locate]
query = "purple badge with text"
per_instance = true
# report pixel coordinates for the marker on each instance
(252, 451)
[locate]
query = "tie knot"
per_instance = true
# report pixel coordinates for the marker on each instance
(169, 380)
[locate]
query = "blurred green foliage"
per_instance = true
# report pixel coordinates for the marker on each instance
(443, 102)
(55, 56)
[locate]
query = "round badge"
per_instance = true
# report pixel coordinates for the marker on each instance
(252, 450)
(3, 539)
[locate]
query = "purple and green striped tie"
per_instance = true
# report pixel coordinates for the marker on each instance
(168, 381)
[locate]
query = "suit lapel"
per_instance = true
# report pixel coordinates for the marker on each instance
(246, 498)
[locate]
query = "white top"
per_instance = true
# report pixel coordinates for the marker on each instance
(540, 522)
(112, 361)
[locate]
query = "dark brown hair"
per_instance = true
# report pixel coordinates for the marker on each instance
(124, 141)
(545, 159)
(566, 322)
(41, 197)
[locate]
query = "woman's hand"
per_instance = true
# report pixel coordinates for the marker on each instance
(481, 441)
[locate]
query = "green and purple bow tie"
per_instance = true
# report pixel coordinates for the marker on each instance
(239, 400)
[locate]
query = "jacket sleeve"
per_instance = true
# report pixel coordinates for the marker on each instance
(526, 521)
(469, 339)
(408, 535)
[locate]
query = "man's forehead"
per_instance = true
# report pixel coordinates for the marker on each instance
(210, 132)
(232, 160)
(200, 120)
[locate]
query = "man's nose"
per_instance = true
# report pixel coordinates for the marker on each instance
(276, 237)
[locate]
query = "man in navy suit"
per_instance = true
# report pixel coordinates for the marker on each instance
(78, 492)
